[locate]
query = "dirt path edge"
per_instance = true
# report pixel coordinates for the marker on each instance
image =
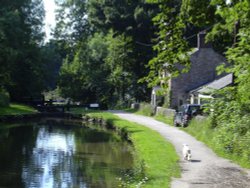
(206, 169)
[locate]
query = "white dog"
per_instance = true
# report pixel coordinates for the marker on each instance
(186, 152)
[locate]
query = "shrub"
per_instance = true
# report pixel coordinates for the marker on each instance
(230, 138)
(146, 109)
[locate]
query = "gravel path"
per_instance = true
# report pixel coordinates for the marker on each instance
(206, 170)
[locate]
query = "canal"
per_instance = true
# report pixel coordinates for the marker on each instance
(53, 153)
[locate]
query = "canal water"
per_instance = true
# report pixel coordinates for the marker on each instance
(62, 154)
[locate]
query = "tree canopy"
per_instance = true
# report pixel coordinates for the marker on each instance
(111, 51)
(110, 54)
(21, 35)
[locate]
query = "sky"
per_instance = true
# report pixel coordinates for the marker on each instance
(49, 6)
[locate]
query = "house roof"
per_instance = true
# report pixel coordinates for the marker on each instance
(215, 85)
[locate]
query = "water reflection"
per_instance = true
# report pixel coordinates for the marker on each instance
(51, 150)
(61, 156)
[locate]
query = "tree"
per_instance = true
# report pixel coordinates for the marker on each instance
(120, 64)
(132, 19)
(52, 57)
(231, 110)
(199, 13)
(72, 24)
(21, 38)
(126, 55)
(235, 20)
(83, 78)
(171, 47)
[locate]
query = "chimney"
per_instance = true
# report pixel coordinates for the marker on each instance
(201, 41)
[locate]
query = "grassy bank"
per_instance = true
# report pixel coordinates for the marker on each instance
(201, 130)
(225, 144)
(15, 109)
(165, 119)
(155, 155)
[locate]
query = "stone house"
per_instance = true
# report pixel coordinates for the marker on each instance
(204, 93)
(204, 61)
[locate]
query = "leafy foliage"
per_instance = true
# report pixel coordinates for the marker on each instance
(83, 78)
(229, 25)
(200, 13)
(120, 64)
(231, 109)
(170, 45)
(21, 36)
(106, 61)
(222, 139)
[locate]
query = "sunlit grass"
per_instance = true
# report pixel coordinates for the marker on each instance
(15, 109)
(165, 119)
(201, 130)
(159, 158)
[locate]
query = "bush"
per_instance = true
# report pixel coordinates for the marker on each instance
(230, 139)
(233, 136)
(4, 98)
(146, 109)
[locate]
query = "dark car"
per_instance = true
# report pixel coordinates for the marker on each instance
(185, 114)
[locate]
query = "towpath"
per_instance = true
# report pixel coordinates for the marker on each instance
(206, 170)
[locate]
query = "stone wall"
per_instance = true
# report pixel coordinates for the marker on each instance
(165, 112)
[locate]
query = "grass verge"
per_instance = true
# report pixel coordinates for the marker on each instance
(15, 109)
(165, 119)
(202, 131)
(158, 157)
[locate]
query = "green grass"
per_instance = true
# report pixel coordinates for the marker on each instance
(17, 109)
(159, 158)
(201, 130)
(145, 109)
(165, 119)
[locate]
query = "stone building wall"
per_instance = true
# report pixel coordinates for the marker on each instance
(202, 70)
